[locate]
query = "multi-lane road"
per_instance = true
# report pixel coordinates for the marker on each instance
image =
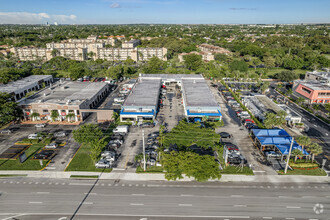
(24, 198)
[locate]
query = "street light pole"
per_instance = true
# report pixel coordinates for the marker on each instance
(144, 152)
(287, 161)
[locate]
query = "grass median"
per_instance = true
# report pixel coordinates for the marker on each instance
(28, 164)
(83, 162)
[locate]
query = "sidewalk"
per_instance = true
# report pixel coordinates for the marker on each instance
(160, 177)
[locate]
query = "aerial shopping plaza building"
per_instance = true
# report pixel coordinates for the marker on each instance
(197, 98)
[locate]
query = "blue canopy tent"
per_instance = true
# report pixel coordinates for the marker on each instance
(278, 138)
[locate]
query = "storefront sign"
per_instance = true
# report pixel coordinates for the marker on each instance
(63, 113)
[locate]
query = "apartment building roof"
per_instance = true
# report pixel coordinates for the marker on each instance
(197, 93)
(144, 93)
(13, 87)
(69, 93)
(314, 84)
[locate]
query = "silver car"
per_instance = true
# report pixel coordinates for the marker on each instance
(60, 134)
(40, 125)
(6, 131)
(102, 164)
(108, 153)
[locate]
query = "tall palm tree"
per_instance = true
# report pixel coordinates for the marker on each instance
(303, 141)
(296, 153)
(35, 115)
(70, 116)
(315, 149)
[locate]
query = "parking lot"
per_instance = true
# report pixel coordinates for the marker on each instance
(63, 154)
(240, 136)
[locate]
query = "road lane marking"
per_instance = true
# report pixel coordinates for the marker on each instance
(267, 217)
(185, 204)
(137, 204)
(290, 218)
(293, 207)
(88, 203)
(35, 202)
(239, 205)
(43, 192)
(109, 184)
(187, 195)
(80, 184)
(237, 196)
(138, 194)
(90, 193)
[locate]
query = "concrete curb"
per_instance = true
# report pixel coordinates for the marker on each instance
(160, 177)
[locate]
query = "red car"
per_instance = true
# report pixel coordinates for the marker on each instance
(249, 120)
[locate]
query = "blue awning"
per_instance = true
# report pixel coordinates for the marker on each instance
(201, 114)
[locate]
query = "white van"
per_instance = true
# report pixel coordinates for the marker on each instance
(121, 129)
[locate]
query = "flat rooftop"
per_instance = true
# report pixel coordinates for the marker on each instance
(197, 93)
(315, 85)
(70, 93)
(144, 93)
(325, 75)
(23, 83)
(176, 77)
(289, 111)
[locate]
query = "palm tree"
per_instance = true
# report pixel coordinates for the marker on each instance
(315, 149)
(296, 153)
(54, 115)
(35, 115)
(70, 116)
(303, 141)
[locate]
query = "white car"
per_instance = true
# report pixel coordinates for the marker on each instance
(60, 134)
(34, 136)
(108, 153)
(116, 142)
(51, 146)
(40, 125)
(102, 164)
(110, 158)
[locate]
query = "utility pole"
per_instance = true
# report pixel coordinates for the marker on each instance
(287, 161)
(144, 152)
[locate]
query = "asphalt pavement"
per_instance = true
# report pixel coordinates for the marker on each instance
(25, 198)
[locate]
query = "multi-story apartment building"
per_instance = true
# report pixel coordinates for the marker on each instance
(131, 44)
(206, 56)
(77, 49)
(136, 54)
(213, 49)
(31, 53)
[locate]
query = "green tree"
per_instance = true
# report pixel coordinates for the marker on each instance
(239, 65)
(9, 109)
(303, 141)
(87, 133)
(70, 116)
(193, 61)
(155, 65)
(96, 147)
(300, 100)
(295, 153)
(269, 61)
(35, 115)
(54, 115)
(315, 149)
(286, 76)
(264, 87)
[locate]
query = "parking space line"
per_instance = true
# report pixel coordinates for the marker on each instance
(109, 184)
(43, 192)
(237, 196)
(239, 205)
(35, 202)
(138, 194)
(293, 207)
(267, 217)
(137, 204)
(88, 203)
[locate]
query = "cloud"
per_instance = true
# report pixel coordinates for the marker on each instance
(248, 9)
(115, 5)
(33, 18)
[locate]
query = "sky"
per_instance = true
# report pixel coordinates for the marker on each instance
(164, 11)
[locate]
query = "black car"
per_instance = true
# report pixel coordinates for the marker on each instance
(225, 135)
(147, 125)
(44, 155)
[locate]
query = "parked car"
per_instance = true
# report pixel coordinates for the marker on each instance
(225, 135)
(34, 136)
(6, 131)
(272, 154)
(147, 125)
(51, 146)
(110, 158)
(116, 141)
(107, 153)
(44, 155)
(121, 129)
(119, 100)
(40, 125)
(60, 134)
(102, 164)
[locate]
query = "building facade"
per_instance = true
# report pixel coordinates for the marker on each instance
(213, 49)
(206, 56)
(314, 92)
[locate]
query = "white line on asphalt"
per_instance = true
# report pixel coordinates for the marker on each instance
(285, 197)
(43, 192)
(43, 183)
(17, 182)
(129, 184)
(185, 204)
(187, 195)
(315, 126)
(63, 183)
(35, 202)
(144, 185)
(11, 182)
(90, 193)
(267, 217)
(290, 218)
(109, 184)
(116, 184)
(293, 207)
(57, 184)
(30, 182)
(308, 196)
(313, 219)
(239, 205)
(138, 194)
(50, 183)
(24, 182)
(236, 196)
(137, 185)
(80, 184)
(36, 183)
(122, 184)
(13, 217)
(88, 203)
(153, 185)
(102, 184)
(140, 204)
(146, 215)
